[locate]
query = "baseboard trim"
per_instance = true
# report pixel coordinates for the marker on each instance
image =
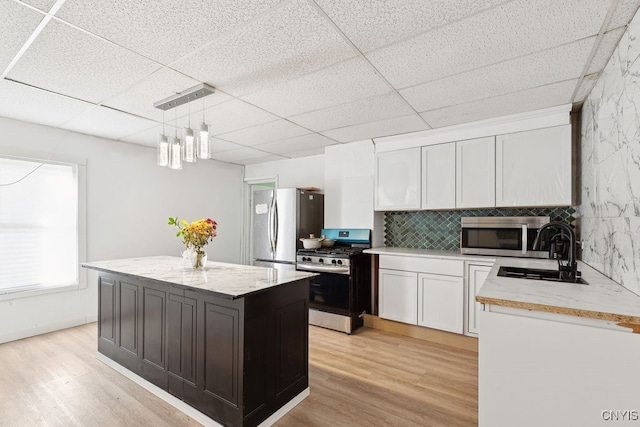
(427, 334)
(189, 410)
(45, 328)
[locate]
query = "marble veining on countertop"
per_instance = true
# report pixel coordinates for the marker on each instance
(601, 298)
(232, 280)
(427, 253)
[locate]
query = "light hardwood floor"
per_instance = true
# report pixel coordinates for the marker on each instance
(371, 378)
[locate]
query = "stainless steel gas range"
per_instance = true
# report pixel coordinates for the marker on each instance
(341, 293)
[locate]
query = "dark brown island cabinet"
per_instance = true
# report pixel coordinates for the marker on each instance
(231, 341)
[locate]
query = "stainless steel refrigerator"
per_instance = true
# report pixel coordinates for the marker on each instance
(279, 219)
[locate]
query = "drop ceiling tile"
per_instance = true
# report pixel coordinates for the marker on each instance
(289, 42)
(218, 145)
(527, 100)
(625, 10)
(267, 132)
(265, 159)
(68, 61)
(586, 86)
(513, 29)
(44, 5)
(341, 83)
(108, 123)
(158, 86)
(234, 115)
(147, 137)
(394, 126)
(538, 69)
(376, 23)
(296, 154)
(17, 23)
(302, 143)
(163, 30)
(606, 48)
(362, 111)
(26, 103)
(245, 153)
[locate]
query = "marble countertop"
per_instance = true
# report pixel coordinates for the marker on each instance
(427, 253)
(601, 298)
(230, 280)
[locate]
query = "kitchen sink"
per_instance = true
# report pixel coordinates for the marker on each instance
(538, 274)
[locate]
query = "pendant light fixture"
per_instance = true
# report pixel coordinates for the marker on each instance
(172, 151)
(175, 149)
(163, 147)
(203, 141)
(189, 143)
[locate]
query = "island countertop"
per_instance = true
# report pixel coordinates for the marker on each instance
(230, 280)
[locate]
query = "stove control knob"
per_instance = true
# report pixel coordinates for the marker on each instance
(339, 261)
(333, 261)
(320, 260)
(304, 258)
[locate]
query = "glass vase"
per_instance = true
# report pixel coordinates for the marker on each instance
(199, 259)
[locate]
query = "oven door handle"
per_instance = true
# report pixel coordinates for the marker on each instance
(323, 268)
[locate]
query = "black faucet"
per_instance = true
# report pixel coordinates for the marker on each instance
(558, 247)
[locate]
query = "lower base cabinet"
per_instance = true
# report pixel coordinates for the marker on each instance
(398, 291)
(235, 360)
(422, 291)
(441, 302)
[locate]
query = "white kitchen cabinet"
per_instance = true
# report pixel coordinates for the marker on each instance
(475, 173)
(533, 168)
(422, 291)
(476, 275)
(439, 176)
(397, 180)
(441, 302)
(397, 295)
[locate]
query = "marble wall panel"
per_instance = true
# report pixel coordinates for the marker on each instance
(610, 152)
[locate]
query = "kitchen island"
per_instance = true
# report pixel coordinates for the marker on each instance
(230, 341)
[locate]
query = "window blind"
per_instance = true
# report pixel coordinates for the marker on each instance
(38, 225)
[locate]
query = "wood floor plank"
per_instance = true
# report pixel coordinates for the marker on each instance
(371, 378)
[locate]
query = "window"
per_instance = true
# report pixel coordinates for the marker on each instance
(38, 225)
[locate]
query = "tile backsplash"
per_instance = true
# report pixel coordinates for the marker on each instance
(441, 229)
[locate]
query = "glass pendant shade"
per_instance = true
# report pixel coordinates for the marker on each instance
(163, 150)
(189, 146)
(203, 142)
(175, 154)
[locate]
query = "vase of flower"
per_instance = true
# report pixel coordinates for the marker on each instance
(195, 236)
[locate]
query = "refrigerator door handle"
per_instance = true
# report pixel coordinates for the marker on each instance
(271, 227)
(275, 226)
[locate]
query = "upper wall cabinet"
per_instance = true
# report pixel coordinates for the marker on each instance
(475, 173)
(397, 184)
(439, 176)
(533, 168)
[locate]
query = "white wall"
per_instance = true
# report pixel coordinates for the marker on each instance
(291, 173)
(129, 199)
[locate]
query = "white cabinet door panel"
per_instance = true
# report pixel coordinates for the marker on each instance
(439, 176)
(533, 168)
(441, 302)
(397, 185)
(397, 295)
(475, 173)
(476, 275)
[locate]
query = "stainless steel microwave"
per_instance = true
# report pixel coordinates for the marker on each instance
(502, 236)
